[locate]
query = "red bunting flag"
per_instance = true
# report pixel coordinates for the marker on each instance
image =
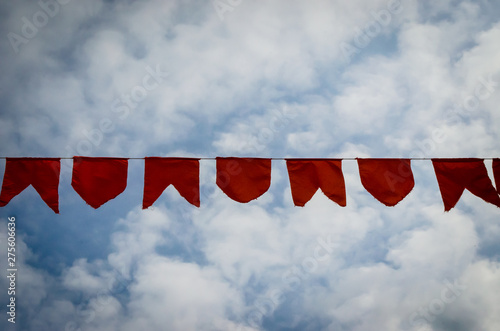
(182, 173)
(456, 175)
(496, 173)
(387, 180)
(42, 173)
(99, 179)
(243, 179)
(307, 175)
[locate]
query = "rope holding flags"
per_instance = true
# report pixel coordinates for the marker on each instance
(100, 179)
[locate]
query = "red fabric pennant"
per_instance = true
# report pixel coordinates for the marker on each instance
(387, 180)
(456, 175)
(41, 173)
(496, 173)
(307, 175)
(99, 179)
(182, 173)
(243, 179)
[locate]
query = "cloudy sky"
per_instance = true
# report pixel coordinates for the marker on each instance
(282, 78)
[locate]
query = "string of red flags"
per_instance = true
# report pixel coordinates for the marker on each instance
(100, 179)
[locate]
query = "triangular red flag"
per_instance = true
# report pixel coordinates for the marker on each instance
(456, 175)
(496, 173)
(41, 173)
(307, 175)
(387, 180)
(243, 179)
(99, 179)
(182, 173)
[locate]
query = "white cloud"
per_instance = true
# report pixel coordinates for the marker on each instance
(269, 80)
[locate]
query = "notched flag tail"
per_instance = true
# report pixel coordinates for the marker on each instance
(182, 173)
(456, 175)
(496, 173)
(41, 173)
(308, 175)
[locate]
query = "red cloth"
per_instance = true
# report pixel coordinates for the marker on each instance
(456, 175)
(243, 179)
(307, 175)
(496, 173)
(388, 180)
(182, 173)
(99, 179)
(42, 173)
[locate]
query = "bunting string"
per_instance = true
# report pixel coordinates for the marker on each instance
(250, 157)
(389, 180)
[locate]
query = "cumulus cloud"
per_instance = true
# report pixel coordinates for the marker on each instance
(148, 78)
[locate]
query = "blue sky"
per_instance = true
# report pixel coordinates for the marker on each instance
(238, 78)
